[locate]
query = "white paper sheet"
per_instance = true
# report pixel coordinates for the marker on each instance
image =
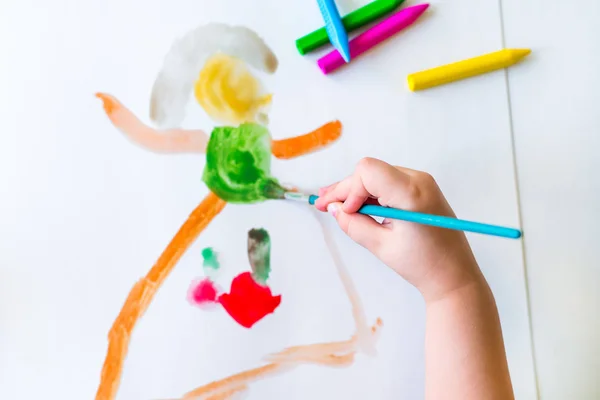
(87, 213)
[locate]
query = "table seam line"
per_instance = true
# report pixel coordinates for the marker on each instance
(519, 206)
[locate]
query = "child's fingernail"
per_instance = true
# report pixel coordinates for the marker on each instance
(332, 209)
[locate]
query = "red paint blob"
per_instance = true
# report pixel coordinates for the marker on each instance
(248, 302)
(202, 292)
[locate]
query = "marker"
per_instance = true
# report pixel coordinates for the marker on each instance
(334, 27)
(465, 69)
(438, 221)
(372, 37)
(356, 19)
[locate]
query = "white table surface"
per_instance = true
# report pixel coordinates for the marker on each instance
(85, 205)
(555, 99)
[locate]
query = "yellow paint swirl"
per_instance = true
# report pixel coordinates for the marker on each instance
(229, 93)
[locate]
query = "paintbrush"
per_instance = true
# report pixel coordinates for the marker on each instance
(420, 218)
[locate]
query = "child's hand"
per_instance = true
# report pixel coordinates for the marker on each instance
(436, 261)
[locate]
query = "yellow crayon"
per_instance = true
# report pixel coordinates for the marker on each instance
(465, 69)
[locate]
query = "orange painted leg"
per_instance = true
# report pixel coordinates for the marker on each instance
(227, 395)
(234, 382)
(319, 348)
(313, 141)
(332, 354)
(158, 141)
(144, 290)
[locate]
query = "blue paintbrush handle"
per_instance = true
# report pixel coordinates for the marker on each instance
(435, 220)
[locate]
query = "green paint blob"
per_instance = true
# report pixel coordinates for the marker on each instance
(211, 261)
(259, 254)
(238, 164)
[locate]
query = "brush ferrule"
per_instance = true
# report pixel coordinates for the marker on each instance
(295, 196)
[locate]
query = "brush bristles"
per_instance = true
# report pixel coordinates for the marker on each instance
(273, 190)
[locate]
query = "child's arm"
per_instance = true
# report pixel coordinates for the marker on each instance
(464, 350)
(465, 357)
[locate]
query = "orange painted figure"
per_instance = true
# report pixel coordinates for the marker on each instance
(216, 73)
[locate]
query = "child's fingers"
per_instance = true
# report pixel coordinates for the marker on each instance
(372, 179)
(408, 171)
(357, 195)
(391, 186)
(337, 193)
(363, 229)
(324, 190)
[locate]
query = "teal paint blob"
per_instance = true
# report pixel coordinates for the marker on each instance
(211, 260)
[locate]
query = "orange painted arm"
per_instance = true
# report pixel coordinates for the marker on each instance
(313, 141)
(144, 290)
(159, 141)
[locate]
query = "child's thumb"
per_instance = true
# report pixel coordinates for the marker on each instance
(363, 229)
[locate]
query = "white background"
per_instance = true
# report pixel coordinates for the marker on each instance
(85, 213)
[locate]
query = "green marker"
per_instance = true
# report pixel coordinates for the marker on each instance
(352, 21)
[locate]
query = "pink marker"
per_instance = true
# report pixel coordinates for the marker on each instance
(372, 37)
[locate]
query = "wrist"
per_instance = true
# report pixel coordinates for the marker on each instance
(449, 280)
